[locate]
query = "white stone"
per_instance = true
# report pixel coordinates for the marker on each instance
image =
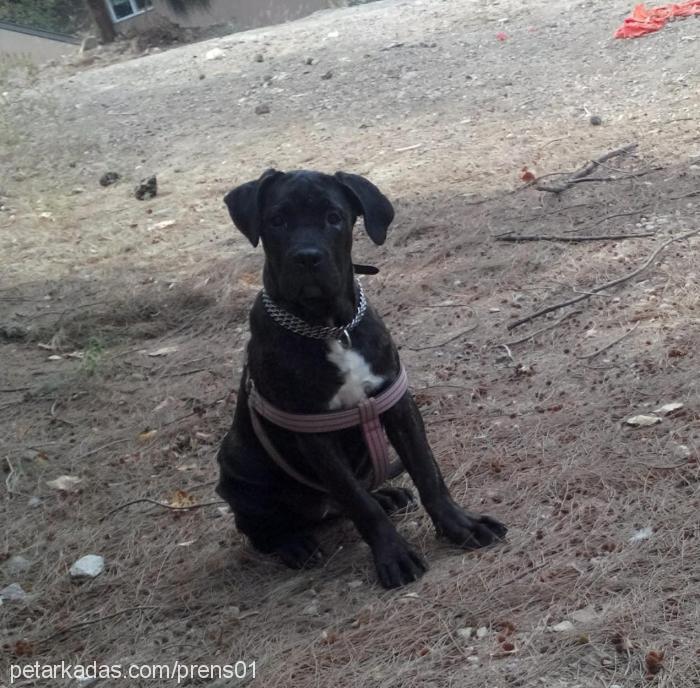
(13, 593)
(482, 632)
(642, 534)
(465, 633)
(89, 566)
(563, 627)
(669, 408)
(16, 565)
(214, 54)
(642, 421)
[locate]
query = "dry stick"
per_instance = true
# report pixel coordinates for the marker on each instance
(571, 239)
(607, 285)
(588, 357)
(67, 629)
(513, 342)
(585, 170)
(146, 500)
(437, 346)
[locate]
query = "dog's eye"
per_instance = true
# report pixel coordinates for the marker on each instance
(333, 218)
(276, 222)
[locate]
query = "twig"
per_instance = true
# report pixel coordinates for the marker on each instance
(532, 335)
(584, 171)
(104, 446)
(588, 357)
(10, 390)
(451, 339)
(146, 500)
(607, 285)
(81, 624)
(571, 239)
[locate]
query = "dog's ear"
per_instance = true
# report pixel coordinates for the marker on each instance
(245, 205)
(369, 202)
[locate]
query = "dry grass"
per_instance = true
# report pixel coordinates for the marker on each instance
(534, 437)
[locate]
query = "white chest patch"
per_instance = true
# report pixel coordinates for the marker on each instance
(358, 379)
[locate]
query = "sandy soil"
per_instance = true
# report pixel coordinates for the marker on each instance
(426, 100)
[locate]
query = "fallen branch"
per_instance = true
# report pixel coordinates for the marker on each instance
(146, 500)
(584, 172)
(588, 357)
(606, 285)
(532, 335)
(437, 346)
(82, 624)
(571, 239)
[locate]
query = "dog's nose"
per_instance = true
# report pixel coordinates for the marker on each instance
(309, 258)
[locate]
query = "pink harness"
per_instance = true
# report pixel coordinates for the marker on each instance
(366, 415)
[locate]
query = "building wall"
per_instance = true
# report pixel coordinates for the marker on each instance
(16, 44)
(243, 14)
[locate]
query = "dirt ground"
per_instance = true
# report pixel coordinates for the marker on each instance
(123, 322)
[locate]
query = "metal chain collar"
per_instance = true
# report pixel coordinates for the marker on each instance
(298, 326)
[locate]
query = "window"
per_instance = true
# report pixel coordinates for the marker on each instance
(123, 9)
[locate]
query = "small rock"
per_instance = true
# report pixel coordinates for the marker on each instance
(214, 54)
(17, 565)
(109, 178)
(147, 188)
(13, 593)
(327, 75)
(642, 421)
(473, 659)
(586, 615)
(482, 632)
(65, 483)
(222, 511)
(563, 627)
(595, 121)
(681, 451)
(89, 566)
(465, 633)
(258, 58)
(669, 408)
(202, 76)
(494, 310)
(77, 190)
(309, 61)
(642, 534)
(310, 610)
(262, 109)
(34, 502)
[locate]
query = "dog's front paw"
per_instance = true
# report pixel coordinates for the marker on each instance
(467, 530)
(397, 563)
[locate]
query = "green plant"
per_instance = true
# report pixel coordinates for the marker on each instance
(92, 356)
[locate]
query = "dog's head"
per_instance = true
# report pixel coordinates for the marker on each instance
(305, 220)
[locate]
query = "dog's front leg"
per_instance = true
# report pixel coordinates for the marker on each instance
(405, 429)
(396, 562)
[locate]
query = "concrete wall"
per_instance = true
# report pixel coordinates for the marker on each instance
(243, 14)
(37, 46)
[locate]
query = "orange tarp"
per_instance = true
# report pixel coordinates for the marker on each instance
(643, 21)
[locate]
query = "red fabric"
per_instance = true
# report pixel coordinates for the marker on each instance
(643, 21)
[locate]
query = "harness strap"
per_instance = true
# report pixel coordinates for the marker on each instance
(366, 415)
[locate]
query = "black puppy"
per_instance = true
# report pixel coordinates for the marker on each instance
(305, 220)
